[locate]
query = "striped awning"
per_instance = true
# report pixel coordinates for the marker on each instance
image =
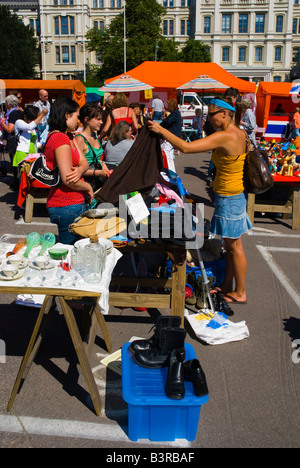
(203, 82)
(125, 84)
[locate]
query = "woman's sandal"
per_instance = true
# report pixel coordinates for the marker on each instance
(232, 300)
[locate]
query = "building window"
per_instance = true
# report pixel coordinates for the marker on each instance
(278, 53)
(99, 25)
(296, 55)
(243, 24)
(182, 27)
(277, 79)
(185, 27)
(171, 28)
(260, 23)
(35, 26)
(242, 54)
(207, 23)
(225, 54)
(112, 3)
(258, 54)
(279, 24)
(188, 27)
(295, 23)
(64, 25)
(226, 24)
(57, 54)
(168, 27)
(65, 54)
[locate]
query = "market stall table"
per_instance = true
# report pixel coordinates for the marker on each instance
(94, 302)
(290, 207)
(60, 298)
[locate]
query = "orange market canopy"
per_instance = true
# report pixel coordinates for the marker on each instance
(173, 74)
(269, 95)
(29, 88)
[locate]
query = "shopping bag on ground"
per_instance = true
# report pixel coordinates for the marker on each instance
(217, 329)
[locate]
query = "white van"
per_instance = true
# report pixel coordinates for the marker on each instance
(188, 103)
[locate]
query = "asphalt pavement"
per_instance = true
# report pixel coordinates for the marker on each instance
(254, 384)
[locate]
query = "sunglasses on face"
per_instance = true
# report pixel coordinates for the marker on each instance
(212, 114)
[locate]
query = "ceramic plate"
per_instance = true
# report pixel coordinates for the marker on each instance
(3, 277)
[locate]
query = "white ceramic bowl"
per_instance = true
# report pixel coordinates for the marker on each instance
(16, 259)
(10, 270)
(41, 261)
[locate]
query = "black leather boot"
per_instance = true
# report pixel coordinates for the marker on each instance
(163, 321)
(193, 372)
(174, 386)
(170, 339)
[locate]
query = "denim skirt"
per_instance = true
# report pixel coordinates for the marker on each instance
(230, 218)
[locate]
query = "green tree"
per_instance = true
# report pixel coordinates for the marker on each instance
(194, 51)
(19, 52)
(143, 30)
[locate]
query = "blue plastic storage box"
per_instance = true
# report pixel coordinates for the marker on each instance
(151, 414)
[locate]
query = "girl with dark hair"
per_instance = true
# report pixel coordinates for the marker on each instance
(66, 201)
(91, 118)
(230, 219)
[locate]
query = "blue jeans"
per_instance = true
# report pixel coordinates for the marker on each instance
(157, 116)
(296, 133)
(63, 216)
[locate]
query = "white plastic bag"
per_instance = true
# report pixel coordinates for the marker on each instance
(218, 329)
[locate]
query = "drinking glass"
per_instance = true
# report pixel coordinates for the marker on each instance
(30, 274)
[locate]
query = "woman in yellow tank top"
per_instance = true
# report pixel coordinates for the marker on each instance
(230, 219)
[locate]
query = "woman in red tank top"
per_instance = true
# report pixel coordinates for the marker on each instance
(66, 201)
(120, 111)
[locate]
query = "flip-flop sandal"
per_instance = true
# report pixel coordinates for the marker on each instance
(232, 300)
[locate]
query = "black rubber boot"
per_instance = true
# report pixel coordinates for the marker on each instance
(171, 339)
(163, 321)
(174, 386)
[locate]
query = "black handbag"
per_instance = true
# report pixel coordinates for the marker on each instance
(40, 171)
(257, 174)
(12, 141)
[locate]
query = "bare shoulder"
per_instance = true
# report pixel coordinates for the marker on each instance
(233, 140)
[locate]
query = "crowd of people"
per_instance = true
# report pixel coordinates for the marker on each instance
(87, 144)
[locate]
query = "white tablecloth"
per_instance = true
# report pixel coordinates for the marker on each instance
(36, 300)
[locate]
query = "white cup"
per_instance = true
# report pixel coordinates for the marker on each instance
(41, 261)
(9, 270)
(16, 259)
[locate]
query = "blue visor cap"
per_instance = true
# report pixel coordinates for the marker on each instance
(222, 104)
